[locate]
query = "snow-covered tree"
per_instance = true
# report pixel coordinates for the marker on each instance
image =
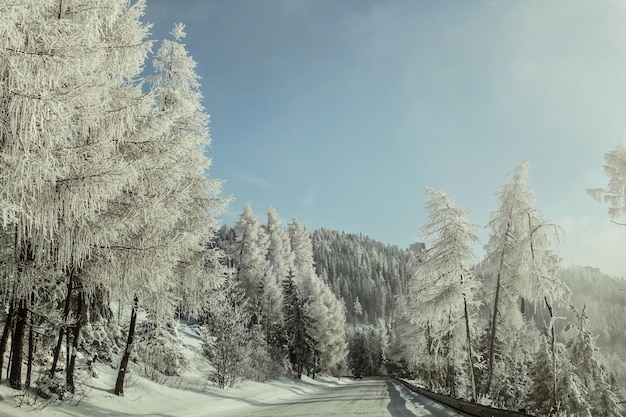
(301, 249)
(299, 342)
(248, 252)
(615, 193)
(367, 349)
(104, 187)
(592, 374)
(191, 191)
(166, 261)
(444, 291)
(68, 99)
(158, 349)
(324, 309)
(332, 340)
(280, 263)
(357, 308)
(279, 254)
(520, 254)
(546, 398)
(226, 338)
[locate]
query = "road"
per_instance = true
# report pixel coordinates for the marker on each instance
(375, 397)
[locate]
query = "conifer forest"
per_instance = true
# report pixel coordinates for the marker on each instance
(110, 236)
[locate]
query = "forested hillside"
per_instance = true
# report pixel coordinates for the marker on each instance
(361, 271)
(605, 298)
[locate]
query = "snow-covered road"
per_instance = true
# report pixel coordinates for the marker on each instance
(369, 397)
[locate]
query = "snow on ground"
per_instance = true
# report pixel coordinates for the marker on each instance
(189, 396)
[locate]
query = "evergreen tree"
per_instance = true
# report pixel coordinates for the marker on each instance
(520, 256)
(593, 376)
(615, 193)
(568, 396)
(324, 309)
(226, 340)
(69, 100)
(446, 288)
(280, 262)
(299, 343)
(248, 252)
(192, 194)
(174, 206)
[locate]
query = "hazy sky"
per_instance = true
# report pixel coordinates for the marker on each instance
(338, 112)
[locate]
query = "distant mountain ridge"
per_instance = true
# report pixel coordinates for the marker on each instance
(605, 298)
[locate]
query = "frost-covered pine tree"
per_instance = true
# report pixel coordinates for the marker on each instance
(62, 126)
(333, 343)
(324, 309)
(167, 264)
(593, 376)
(194, 193)
(280, 262)
(248, 252)
(615, 193)
(299, 342)
(302, 250)
(568, 395)
(444, 291)
(357, 308)
(279, 254)
(226, 338)
(520, 254)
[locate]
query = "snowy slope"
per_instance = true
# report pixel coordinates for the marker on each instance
(188, 396)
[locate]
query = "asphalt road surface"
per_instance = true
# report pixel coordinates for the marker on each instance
(379, 397)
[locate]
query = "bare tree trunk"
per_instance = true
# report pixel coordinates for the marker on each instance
(8, 326)
(10, 353)
(17, 346)
(553, 350)
(429, 342)
(31, 345)
(66, 312)
(69, 373)
(470, 359)
(67, 348)
(119, 384)
(492, 336)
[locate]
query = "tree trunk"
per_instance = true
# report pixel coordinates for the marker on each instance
(17, 346)
(492, 336)
(67, 348)
(553, 350)
(470, 359)
(8, 326)
(69, 373)
(429, 343)
(451, 369)
(31, 354)
(31, 345)
(66, 312)
(119, 384)
(10, 353)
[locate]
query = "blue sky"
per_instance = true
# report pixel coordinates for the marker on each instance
(338, 112)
